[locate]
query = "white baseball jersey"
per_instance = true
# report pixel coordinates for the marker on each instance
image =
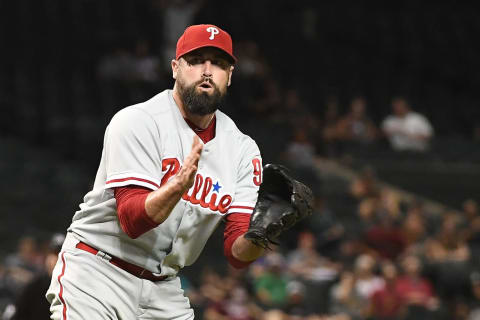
(405, 128)
(145, 145)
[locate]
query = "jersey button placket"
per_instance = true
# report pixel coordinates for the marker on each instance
(200, 165)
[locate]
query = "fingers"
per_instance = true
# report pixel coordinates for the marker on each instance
(186, 175)
(194, 155)
(197, 148)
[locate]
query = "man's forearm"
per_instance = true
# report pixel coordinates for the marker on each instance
(245, 250)
(161, 202)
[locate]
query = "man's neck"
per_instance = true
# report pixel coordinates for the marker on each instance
(200, 121)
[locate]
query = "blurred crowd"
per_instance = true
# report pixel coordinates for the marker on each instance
(382, 259)
(386, 259)
(25, 276)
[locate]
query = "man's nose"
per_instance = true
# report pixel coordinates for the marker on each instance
(207, 68)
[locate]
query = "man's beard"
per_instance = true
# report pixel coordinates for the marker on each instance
(200, 103)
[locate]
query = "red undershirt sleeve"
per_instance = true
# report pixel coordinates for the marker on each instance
(131, 210)
(236, 225)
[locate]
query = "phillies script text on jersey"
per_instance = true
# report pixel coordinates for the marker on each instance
(201, 187)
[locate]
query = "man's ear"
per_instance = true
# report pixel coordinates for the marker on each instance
(230, 75)
(175, 64)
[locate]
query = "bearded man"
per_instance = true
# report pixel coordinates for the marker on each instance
(172, 169)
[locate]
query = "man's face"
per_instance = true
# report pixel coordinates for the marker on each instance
(400, 107)
(202, 77)
(358, 107)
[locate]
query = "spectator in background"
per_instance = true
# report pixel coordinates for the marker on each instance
(114, 72)
(225, 297)
(365, 185)
(133, 75)
(211, 287)
(415, 292)
(448, 255)
(271, 285)
(327, 227)
(471, 218)
(236, 306)
(256, 90)
(265, 100)
(176, 16)
(240, 306)
(329, 139)
(23, 265)
(30, 304)
(294, 113)
(386, 238)
(385, 303)
(145, 72)
(353, 292)
(6, 295)
(367, 281)
(407, 130)
(474, 303)
(296, 305)
(414, 229)
(471, 210)
(471, 227)
(253, 63)
(372, 217)
(275, 314)
(341, 316)
(356, 126)
(366, 214)
(346, 299)
(115, 66)
(316, 272)
(300, 153)
(306, 263)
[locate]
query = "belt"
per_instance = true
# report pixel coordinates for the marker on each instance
(127, 266)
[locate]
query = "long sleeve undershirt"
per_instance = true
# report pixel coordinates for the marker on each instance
(135, 221)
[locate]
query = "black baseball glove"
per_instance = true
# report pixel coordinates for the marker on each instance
(282, 202)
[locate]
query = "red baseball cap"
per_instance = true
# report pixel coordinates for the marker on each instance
(204, 35)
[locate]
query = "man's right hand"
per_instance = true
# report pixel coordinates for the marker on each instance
(160, 203)
(186, 175)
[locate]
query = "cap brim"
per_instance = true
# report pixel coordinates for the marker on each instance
(233, 59)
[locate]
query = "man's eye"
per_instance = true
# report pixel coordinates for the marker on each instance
(194, 61)
(221, 63)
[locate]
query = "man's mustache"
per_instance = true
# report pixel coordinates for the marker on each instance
(206, 79)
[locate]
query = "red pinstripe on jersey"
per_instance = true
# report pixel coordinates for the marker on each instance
(60, 295)
(240, 207)
(133, 178)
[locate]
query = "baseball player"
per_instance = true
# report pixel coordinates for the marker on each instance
(172, 168)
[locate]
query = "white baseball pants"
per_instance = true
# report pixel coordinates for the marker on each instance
(86, 286)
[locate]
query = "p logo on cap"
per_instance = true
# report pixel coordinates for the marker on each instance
(204, 35)
(214, 31)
